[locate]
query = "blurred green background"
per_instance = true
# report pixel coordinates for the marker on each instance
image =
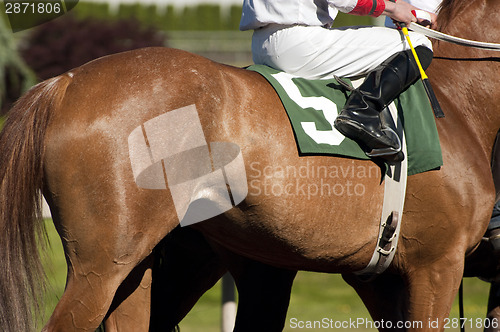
(209, 30)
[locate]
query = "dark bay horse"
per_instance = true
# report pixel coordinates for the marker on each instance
(68, 137)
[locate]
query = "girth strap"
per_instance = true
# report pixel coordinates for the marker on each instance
(392, 211)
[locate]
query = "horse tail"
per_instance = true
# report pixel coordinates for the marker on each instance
(22, 231)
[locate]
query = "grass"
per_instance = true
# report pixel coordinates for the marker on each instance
(315, 296)
(55, 267)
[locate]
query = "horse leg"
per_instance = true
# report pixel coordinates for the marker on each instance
(185, 268)
(130, 309)
(88, 297)
(493, 314)
(431, 291)
(83, 305)
(102, 246)
(415, 301)
(190, 266)
(263, 292)
(180, 270)
(384, 296)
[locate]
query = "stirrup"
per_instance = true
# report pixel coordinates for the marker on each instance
(388, 151)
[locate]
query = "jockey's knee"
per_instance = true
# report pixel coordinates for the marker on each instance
(423, 47)
(425, 55)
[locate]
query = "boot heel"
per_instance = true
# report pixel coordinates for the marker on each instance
(389, 153)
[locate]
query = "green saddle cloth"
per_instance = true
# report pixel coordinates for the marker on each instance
(312, 106)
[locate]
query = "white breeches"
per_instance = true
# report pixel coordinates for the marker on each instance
(317, 52)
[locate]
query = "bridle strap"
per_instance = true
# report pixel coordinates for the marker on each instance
(452, 39)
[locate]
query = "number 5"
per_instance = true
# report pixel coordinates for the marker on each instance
(320, 104)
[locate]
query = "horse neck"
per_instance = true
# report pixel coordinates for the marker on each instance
(466, 79)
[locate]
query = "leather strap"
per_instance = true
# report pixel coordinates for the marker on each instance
(392, 210)
(452, 39)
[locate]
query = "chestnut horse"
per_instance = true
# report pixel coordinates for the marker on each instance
(68, 137)
(253, 300)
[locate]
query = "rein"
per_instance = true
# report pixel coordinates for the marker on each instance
(455, 40)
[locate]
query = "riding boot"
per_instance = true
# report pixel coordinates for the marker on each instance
(493, 231)
(360, 117)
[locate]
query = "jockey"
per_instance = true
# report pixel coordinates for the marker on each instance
(295, 36)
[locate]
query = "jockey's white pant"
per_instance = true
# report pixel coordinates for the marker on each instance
(316, 52)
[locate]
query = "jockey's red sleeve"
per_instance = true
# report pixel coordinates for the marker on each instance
(369, 7)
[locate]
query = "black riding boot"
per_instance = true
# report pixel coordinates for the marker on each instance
(493, 231)
(360, 117)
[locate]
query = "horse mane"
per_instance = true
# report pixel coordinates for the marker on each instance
(448, 9)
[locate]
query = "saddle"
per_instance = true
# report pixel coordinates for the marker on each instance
(312, 106)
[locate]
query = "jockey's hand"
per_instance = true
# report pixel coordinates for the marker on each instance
(426, 19)
(404, 12)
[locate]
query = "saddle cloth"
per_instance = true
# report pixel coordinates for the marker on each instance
(313, 105)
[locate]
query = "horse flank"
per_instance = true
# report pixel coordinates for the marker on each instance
(22, 279)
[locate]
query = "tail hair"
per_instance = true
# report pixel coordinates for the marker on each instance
(22, 232)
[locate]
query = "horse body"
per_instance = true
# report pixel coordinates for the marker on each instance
(89, 183)
(87, 159)
(71, 145)
(301, 212)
